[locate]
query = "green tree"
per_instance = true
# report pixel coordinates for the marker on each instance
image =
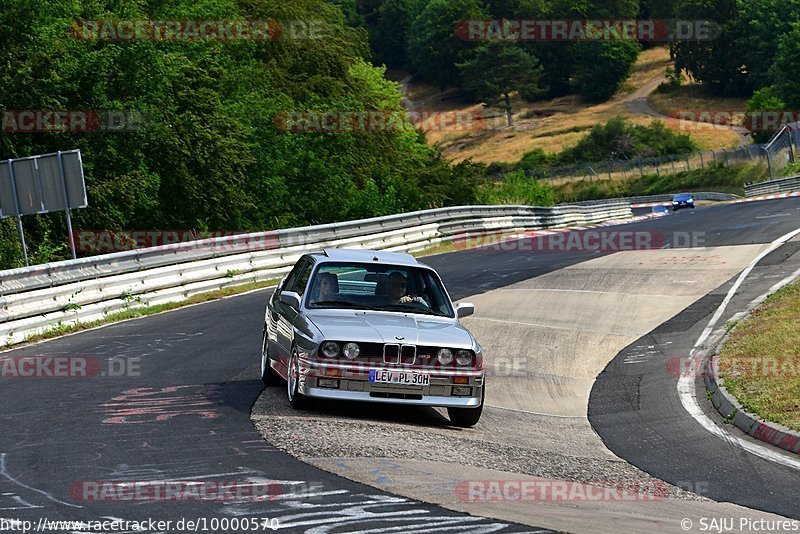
(389, 35)
(786, 69)
(498, 69)
(434, 47)
(209, 155)
(758, 29)
(716, 63)
(602, 67)
(763, 100)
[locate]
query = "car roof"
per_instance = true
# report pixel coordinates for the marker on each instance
(364, 255)
(683, 194)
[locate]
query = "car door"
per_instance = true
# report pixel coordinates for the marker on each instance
(274, 311)
(297, 282)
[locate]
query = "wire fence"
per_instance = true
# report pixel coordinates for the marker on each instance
(780, 151)
(621, 169)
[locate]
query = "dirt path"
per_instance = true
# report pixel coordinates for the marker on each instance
(637, 103)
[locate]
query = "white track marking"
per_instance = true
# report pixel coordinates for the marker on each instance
(4, 473)
(686, 389)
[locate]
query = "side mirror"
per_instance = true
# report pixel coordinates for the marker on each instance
(290, 298)
(464, 309)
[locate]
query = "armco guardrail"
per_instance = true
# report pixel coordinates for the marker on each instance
(33, 299)
(770, 187)
(706, 195)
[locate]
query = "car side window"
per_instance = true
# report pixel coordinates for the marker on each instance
(291, 278)
(301, 281)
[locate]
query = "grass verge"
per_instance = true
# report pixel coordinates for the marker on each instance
(143, 311)
(717, 178)
(760, 362)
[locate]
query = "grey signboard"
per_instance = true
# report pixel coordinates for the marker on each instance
(41, 184)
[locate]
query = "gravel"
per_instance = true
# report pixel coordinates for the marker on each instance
(505, 440)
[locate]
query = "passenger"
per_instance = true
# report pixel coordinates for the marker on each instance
(327, 287)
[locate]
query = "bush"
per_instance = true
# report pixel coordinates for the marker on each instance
(673, 81)
(763, 100)
(535, 158)
(516, 189)
(618, 140)
(715, 177)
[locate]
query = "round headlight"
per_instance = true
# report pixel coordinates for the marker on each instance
(464, 357)
(330, 349)
(445, 356)
(351, 351)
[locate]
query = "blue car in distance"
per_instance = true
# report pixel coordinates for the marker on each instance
(682, 200)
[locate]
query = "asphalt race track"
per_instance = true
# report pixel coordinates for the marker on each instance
(185, 418)
(178, 407)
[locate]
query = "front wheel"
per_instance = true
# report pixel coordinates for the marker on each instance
(467, 417)
(296, 399)
(268, 374)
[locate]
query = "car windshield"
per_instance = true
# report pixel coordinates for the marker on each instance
(683, 196)
(395, 288)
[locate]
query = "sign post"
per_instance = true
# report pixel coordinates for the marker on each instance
(16, 208)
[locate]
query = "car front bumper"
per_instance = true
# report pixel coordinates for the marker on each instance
(347, 382)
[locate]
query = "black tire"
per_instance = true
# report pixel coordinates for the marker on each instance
(268, 374)
(296, 399)
(467, 417)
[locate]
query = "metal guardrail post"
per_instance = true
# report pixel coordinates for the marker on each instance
(769, 162)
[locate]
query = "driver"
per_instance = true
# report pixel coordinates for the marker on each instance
(397, 290)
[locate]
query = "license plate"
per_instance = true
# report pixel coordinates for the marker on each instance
(386, 376)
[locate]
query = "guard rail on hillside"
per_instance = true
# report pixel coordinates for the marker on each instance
(771, 187)
(33, 299)
(720, 197)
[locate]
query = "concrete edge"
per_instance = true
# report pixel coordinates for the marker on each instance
(729, 406)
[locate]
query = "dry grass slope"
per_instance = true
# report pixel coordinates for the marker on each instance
(552, 125)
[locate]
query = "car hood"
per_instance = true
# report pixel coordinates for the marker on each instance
(377, 327)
